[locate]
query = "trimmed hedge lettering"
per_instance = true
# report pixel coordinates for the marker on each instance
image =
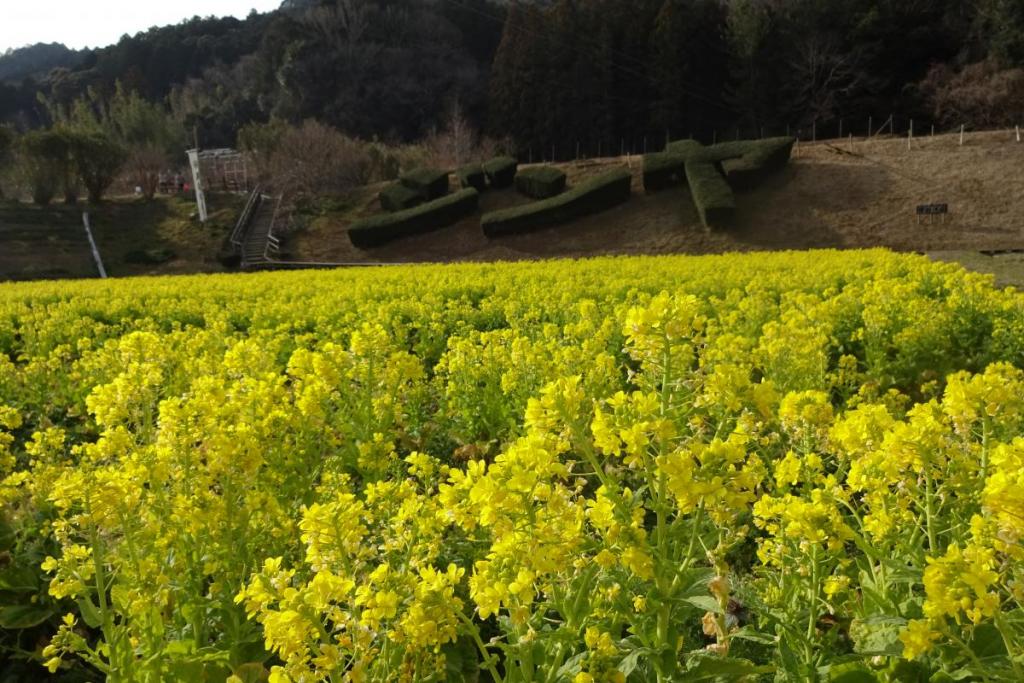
(398, 197)
(430, 183)
(472, 176)
(501, 171)
(593, 196)
(712, 196)
(541, 182)
(377, 230)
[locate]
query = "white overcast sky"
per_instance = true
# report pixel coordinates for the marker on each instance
(98, 23)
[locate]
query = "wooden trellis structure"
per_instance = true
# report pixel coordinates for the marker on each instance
(217, 170)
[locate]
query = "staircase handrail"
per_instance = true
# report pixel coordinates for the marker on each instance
(238, 233)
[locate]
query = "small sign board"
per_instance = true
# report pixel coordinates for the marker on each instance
(932, 209)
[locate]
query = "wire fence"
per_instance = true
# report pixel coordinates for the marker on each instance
(836, 130)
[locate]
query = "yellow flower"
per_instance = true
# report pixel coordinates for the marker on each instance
(917, 638)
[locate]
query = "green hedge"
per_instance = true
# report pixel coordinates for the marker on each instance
(663, 170)
(541, 182)
(715, 172)
(501, 171)
(593, 196)
(685, 148)
(472, 176)
(376, 230)
(398, 197)
(429, 182)
(747, 163)
(712, 195)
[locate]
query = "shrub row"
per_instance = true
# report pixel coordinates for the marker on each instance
(472, 176)
(685, 148)
(663, 170)
(430, 183)
(376, 230)
(541, 182)
(747, 164)
(593, 196)
(398, 197)
(714, 172)
(711, 193)
(501, 171)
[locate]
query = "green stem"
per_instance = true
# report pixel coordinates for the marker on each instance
(929, 514)
(812, 607)
(99, 576)
(474, 633)
(1011, 646)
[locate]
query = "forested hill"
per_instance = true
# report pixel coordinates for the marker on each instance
(556, 73)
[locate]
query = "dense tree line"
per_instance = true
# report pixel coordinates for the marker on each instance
(560, 73)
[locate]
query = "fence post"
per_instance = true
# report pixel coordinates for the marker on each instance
(910, 134)
(1018, 132)
(961, 135)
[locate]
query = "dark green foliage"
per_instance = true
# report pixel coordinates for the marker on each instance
(46, 163)
(685, 148)
(501, 171)
(593, 196)
(430, 183)
(714, 172)
(472, 176)
(541, 182)
(711, 194)
(663, 170)
(398, 197)
(748, 164)
(149, 257)
(377, 230)
(98, 160)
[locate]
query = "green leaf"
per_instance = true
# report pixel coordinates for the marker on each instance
(903, 671)
(987, 642)
(852, 672)
(705, 602)
(19, 579)
(749, 633)
(90, 613)
(705, 667)
(629, 662)
(17, 617)
(878, 635)
(179, 647)
(251, 672)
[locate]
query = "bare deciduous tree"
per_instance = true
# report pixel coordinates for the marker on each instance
(342, 24)
(455, 143)
(822, 76)
(314, 159)
(983, 95)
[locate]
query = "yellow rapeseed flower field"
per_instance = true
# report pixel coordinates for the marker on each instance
(793, 466)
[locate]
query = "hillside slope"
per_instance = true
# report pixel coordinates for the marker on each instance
(834, 194)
